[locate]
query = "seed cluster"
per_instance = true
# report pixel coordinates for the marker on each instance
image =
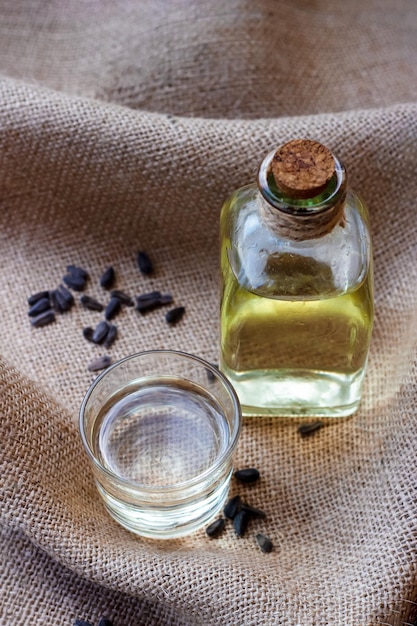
(44, 305)
(241, 513)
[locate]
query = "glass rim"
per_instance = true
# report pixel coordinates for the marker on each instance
(195, 480)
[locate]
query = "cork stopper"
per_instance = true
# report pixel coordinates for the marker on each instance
(302, 168)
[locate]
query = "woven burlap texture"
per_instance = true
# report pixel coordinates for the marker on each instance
(123, 126)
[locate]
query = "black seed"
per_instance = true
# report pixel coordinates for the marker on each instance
(252, 511)
(47, 317)
(166, 298)
(264, 542)
(91, 303)
(151, 295)
(60, 303)
(74, 282)
(78, 272)
(88, 333)
(100, 363)
(123, 297)
(111, 336)
(210, 375)
(37, 296)
(104, 622)
(152, 300)
(67, 295)
(249, 475)
(107, 278)
(100, 332)
(144, 263)
(148, 301)
(240, 523)
(232, 507)
(39, 307)
(308, 429)
(216, 528)
(112, 308)
(82, 622)
(174, 315)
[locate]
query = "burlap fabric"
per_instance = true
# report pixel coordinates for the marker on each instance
(123, 126)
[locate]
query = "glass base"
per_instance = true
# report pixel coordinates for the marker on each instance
(297, 393)
(172, 521)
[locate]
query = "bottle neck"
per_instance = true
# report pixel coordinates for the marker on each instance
(302, 219)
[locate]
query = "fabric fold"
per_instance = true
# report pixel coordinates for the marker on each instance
(135, 146)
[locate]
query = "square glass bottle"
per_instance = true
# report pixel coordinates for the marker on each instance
(297, 287)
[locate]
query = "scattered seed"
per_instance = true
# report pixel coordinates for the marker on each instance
(74, 282)
(232, 507)
(91, 303)
(47, 317)
(37, 296)
(264, 542)
(240, 523)
(112, 308)
(249, 475)
(111, 336)
(210, 375)
(67, 295)
(100, 363)
(100, 332)
(75, 270)
(88, 333)
(39, 307)
(166, 298)
(107, 278)
(148, 301)
(144, 263)
(174, 315)
(60, 302)
(123, 297)
(105, 622)
(252, 511)
(308, 429)
(216, 528)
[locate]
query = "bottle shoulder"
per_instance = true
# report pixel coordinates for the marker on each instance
(267, 263)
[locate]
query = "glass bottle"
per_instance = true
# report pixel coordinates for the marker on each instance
(297, 287)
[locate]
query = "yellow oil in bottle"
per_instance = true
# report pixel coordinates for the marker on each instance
(295, 356)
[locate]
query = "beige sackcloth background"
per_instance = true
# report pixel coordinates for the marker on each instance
(123, 126)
